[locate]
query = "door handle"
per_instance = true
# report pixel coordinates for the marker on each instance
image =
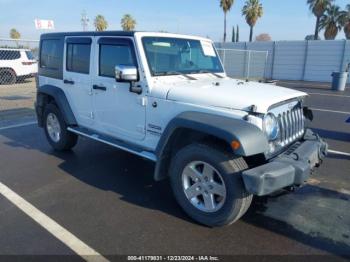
(69, 82)
(97, 87)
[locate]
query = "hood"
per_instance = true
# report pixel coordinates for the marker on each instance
(231, 94)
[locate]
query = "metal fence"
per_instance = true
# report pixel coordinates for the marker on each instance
(18, 61)
(244, 64)
(300, 60)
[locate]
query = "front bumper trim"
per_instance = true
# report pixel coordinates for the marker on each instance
(290, 168)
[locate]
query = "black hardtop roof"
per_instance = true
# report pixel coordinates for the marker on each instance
(88, 33)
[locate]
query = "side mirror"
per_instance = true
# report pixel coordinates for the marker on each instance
(124, 73)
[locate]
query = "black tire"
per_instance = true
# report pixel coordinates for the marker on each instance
(237, 201)
(67, 140)
(7, 77)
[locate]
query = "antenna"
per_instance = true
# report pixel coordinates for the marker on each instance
(85, 21)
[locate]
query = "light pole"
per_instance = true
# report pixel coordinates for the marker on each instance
(85, 21)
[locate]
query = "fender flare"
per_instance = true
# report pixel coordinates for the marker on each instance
(252, 140)
(61, 100)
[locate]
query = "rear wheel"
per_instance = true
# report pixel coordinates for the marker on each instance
(7, 77)
(56, 129)
(208, 186)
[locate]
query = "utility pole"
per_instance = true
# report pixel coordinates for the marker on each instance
(85, 21)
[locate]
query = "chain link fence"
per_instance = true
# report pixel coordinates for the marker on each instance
(244, 64)
(18, 61)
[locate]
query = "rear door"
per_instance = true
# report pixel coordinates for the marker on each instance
(12, 59)
(77, 80)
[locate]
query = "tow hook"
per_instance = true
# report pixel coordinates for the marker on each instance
(319, 163)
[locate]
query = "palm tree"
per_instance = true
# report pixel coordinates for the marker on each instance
(252, 10)
(14, 34)
(128, 23)
(318, 7)
(226, 6)
(331, 22)
(346, 21)
(100, 23)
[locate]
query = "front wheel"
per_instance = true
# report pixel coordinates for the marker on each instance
(56, 129)
(207, 184)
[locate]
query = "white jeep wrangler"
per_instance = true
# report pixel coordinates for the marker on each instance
(167, 98)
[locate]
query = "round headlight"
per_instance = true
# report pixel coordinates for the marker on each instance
(271, 127)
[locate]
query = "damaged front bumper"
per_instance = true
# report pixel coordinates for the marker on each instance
(292, 167)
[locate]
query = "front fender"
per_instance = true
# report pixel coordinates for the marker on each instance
(252, 140)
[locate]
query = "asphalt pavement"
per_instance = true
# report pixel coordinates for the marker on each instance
(108, 200)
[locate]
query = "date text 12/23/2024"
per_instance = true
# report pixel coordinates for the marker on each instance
(173, 258)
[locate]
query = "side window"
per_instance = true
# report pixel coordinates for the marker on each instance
(30, 55)
(78, 58)
(3, 54)
(50, 54)
(9, 55)
(112, 55)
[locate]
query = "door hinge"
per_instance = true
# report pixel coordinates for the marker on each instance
(142, 101)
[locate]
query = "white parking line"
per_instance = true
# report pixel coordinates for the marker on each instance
(338, 153)
(331, 111)
(307, 84)
(74, 243)
(325, 94)
(18, 125)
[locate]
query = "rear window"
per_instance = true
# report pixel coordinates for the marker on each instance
(30, 55)
(50, 54)
(9, 55)
(78, 58)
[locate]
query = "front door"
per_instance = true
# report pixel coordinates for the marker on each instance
(118, 112)
(77, 79)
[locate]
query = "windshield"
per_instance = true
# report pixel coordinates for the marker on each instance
(172, 56)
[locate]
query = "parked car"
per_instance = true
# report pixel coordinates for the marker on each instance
(167, 98)
(16, 64)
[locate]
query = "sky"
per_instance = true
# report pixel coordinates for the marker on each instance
(283, 19)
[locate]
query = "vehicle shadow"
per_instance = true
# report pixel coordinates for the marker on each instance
(334, 135)
(13, 114)
(256, 215)
(20, 82)
(131, 178)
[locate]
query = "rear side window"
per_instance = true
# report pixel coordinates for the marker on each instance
(112, 55)
(9, 55)
(50, 54)
(30, 55)
(78, 58)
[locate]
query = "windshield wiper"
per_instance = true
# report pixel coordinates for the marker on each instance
(209, 72)
(169, 73)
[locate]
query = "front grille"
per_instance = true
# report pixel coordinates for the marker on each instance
(291, 125)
